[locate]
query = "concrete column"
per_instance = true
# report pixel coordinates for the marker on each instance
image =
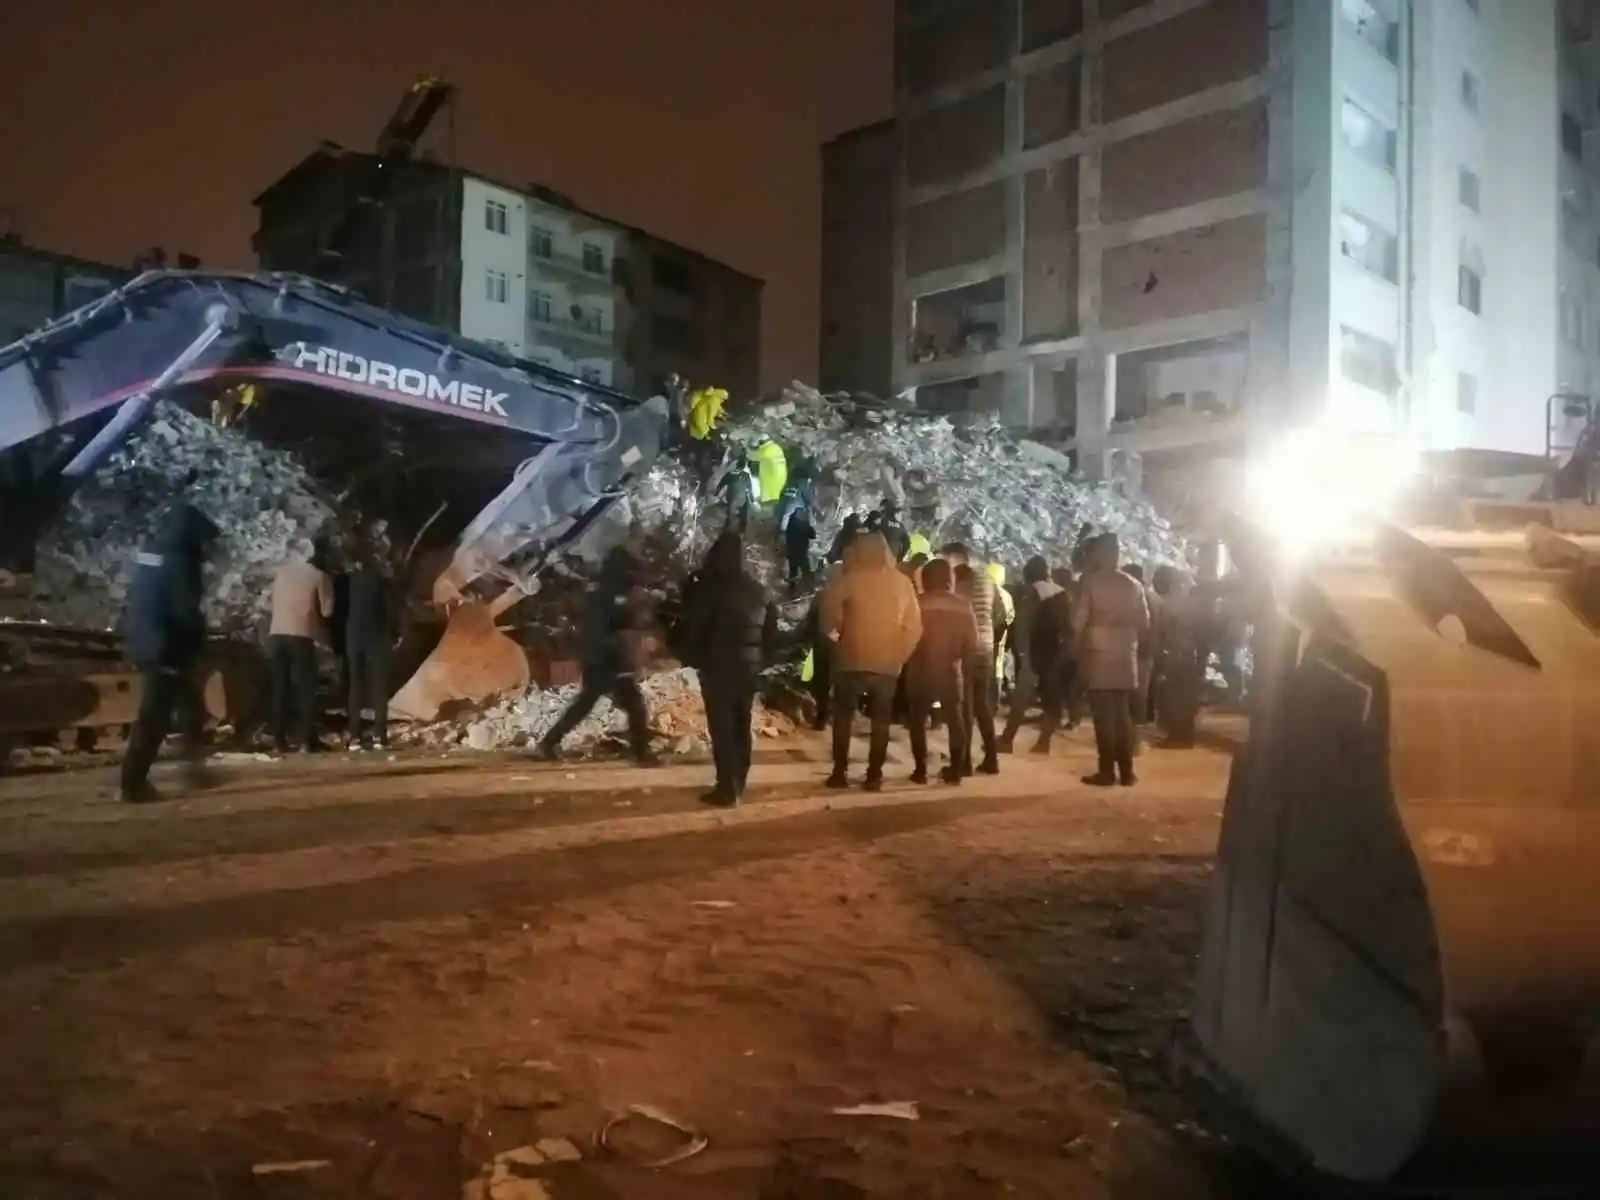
(1096, 398)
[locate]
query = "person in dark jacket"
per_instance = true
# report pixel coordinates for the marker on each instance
(164, 632)
(613, 630)
(729, 635)
(847, 534)
(367, 634)
(798, 534)
(934, 676)
(1051, 650)
(737, 489)
(893, 530)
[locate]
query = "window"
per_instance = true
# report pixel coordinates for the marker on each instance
(541, 243)
(594, 258)
(1571, 321)
(495, 217)
(1469, 190)
(496, 289)
(591, 320)
(78, 290)
(1572, 136)
(1572, 222)
(1469, 91)
(1370, 248)
(1372, 27)
(1469, 289)
(1466, 393)
(671, 276)
(673, 334)
(1368, 362)
(1369, 137)
(591, 374)
(540, 305)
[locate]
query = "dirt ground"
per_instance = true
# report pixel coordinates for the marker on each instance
(398, 968)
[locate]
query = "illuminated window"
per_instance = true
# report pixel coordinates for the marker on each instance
(495, 217)
(496, 288)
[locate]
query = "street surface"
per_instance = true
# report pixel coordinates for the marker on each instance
(368, 977)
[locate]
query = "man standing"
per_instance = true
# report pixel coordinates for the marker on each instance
(935, 673)
(978, 590)
(1111, 620)
(165, 631)
(1029, 597)
(1178, 671)
(369, 632)
(737, 488)
(729, 628)
(870, 615)
(613, 631)
(302, 602)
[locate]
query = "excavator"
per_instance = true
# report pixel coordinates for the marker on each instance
(1399, 980)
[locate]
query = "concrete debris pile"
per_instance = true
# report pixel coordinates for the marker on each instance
(1008, 498)
(262, 500)
(673, 698)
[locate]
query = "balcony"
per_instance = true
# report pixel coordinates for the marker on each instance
(581, 339)
(569, 269)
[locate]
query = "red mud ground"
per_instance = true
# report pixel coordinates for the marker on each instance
(405, 966)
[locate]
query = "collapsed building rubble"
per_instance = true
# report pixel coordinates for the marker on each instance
(263, 501)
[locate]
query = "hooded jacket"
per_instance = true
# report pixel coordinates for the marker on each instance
(1111, 619)
(163, 625)
(729, 625)
(613, 623)
(949, 640)
(870, 612)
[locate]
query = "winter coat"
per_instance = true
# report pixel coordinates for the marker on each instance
(1050, 635)
(949, 640)
(899, 540)
(614, 620)
(368, 611)
(870, 612)
(163, 625)
(983, 594)
(737, 486)
(1112, 618)
(729, 626)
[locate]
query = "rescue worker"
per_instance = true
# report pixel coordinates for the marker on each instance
(870, 616)
(164, 632)
(847, 534)
(730, 628)
(935, 673)
(894, 532)
(705, 411)
(772, 470)
(369, 628)
(613, 631)
(302, 603)
(798, 534)
(1027, 598)
(979, 591)
(737, 489)
(1178, 671)
(1110, 621)
(799, 495)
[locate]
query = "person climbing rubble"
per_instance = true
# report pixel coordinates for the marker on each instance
(302, 603)
(1110, 622)
(870, 616)
(706, 407)
(737, 491)
(772, 470)
(369, 629)
(978, 589)
(164, 631)
(935, 673)
(613, 633)
(1027, 597)
(798, 534)
(728, 631)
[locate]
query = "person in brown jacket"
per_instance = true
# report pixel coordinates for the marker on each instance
(302, 602)
(937, 671)
(870, 615)
(1110, 621)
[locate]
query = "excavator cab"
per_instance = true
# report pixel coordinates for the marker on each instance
(1400, 972)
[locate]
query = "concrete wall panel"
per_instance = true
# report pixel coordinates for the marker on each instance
(1050, 253)
(1218, 43)
(1048, 21)
(1196, 271)
(858, 176)
(949, 142)
(962, 227)
(1211, 156)
(954, 47)
(1052, 103)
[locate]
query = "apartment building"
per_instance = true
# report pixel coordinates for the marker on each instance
(524, 269)
(858, 223)
(36, 286)
(1158, 229)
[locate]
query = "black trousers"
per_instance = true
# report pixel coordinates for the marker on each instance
(1113, 730)
(294, 689)
(822, 683)
(919, 707)
(1178, 696)
(167, 696)
(623, 689)
(367, 676)
(798, 558)
(730, 697)
(978, 706)
(850, 688)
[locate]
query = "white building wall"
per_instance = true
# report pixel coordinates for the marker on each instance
(493, 250)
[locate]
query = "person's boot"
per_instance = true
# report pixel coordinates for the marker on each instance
(989, 766)
(721, 796)
(549, 751)
(1106, 776)
(838, 780)
(920, 775)
(1007, 743)
(873, 782)
(139, 793)
(1125, 774)
(950, 775)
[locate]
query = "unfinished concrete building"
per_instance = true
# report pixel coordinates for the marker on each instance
(1150, 229)
(858, 221)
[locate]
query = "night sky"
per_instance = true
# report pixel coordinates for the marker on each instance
(128, 125)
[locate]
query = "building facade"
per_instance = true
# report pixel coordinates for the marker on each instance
(37, 286)
(525, 270)
(858, 222)
(1157, 229)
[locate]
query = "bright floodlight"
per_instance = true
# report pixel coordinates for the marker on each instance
(1312, 490)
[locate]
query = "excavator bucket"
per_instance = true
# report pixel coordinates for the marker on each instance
(1402, 945)
(473, 662)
